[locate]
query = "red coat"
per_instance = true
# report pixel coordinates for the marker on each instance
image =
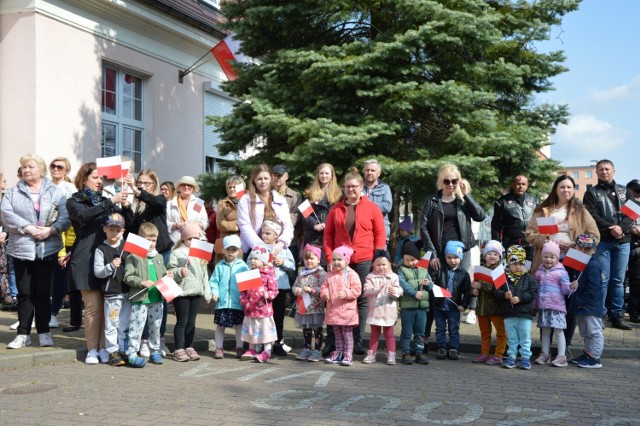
(369, 233)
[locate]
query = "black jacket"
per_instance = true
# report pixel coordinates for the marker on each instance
(433, 217)
(606, 212)
(321, 209)
(114, 284)
(527, 291)
(461, 294)
(511, 215)
(155, 212)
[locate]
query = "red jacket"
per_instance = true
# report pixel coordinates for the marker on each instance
(369, 233)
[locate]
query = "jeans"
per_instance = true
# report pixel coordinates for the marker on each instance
(413, 322)
(518, 333)
(12, 278)
(613, 258)
(450, 320)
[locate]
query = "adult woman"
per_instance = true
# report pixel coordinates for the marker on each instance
(168, 190)
(186, 207)
(356, 222)
(88, 210)
(227, 212)
(34, 214)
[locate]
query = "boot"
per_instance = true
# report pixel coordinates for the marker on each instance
(619, 323)
(370, 358)
(391, 358)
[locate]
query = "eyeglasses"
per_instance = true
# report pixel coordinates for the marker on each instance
(56, 167)
(145, 184)
(453, 182)
(186, 185)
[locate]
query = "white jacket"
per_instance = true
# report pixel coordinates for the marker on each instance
(173, 216)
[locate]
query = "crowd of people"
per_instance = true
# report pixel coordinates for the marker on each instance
(329, 262)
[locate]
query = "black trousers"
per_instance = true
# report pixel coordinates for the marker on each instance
(33, 280)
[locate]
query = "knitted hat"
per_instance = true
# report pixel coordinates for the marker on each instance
(406, 225)
(114, 219)
(455, 248)
(313, 249)
(381, 253)
(231, 241)
(516, 254)
(551, 247)
(190, 230)
(274, 225)
(260, 253)
(412, 248)
(586, 241)
(493, 245)
(344, 252)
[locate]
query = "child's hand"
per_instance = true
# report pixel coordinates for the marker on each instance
(475, 292)
(307, 289)
(278, 261)
(419, 295)
(574, 285)
(342, 294)
(425, 282)
(116, 263)
(215, 297)
(461, 309)
(170, 274)
(508, 295)
(391, 292)
(475, 285)
(266, 296)
(184, 271)
(515, 300)
(147, 284)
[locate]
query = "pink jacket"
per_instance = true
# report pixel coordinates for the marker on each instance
(341, 311)
(253, 300)
(383, 309)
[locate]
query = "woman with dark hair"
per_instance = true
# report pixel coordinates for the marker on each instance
(168, 190)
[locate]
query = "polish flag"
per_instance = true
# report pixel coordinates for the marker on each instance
(248, 279)
(424, 262)
(631, 209)
(239, 190)
(227, 51)
(197, 207)
(547, 225)
(168, 288)
(201, 249)
(306, 209)
(137, 245)
(576, 259)
(109, 167)
(125, 167)
(303, 301)
(498, 277)
(441, 292)
(480, 273)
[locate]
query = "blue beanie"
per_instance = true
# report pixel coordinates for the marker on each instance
(455, 248)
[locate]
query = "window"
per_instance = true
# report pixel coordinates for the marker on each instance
(575, 174)
(122, 117)
(588, 174)
(577, 188)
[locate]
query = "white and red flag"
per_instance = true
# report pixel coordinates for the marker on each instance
(631, 209)
(201, 249)
(137, 245)
(480, 273)
(168, 288)
(498, 277)
(441, 292)
(248, 279)
(424, 262)
(227, 51)
(240, 190)
(306, 209)
(576, 259)
(303, 301)
(197, 207)
(109, 167)
(125, 166)
(547, 225)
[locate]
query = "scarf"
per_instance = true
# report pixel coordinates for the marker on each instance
(91, 195)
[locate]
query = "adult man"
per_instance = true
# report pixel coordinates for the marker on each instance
(511, 213)
(604, 201)
(633, 305)
(378, 191)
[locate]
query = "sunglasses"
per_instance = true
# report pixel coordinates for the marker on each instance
(450, 182)
(56, 167)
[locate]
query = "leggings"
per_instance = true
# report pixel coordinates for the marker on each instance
(376, 330)
(344, 339)
(306, 332)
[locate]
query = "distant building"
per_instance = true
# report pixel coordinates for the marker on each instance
(584, 176)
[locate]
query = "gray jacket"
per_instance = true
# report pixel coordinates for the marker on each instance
(381, 196)
(18, 212)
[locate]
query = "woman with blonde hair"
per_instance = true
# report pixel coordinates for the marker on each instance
(227, 212)
(323, 193)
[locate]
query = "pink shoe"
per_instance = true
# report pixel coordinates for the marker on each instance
(263, 357)
(481, 359)
(249, 355)
(494, 360)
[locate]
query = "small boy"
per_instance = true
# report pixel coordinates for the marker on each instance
(448, 310)
(586, 304)
(146, 306)
(516, 304)
(107, 268)
(405, 231)
(414, 303)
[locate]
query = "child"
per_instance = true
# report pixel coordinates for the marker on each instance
(553, 286)
(383, 289)
(405, 231)
(258, 325)
(117, 309)
(284, 266)
(146, 307)
(488, 309)
(448, 310)
(341, 288)
(191, 275)
(224, 291)
(414, 303)
(309, 281)
(586, 304)
(516, 304)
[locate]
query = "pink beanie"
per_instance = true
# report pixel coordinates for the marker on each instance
(344, 252)
(313, 249)
(551, 247)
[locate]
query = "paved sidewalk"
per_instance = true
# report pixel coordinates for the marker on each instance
(71, 346)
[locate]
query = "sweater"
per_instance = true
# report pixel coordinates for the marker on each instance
(196, 282)
(223, 283)
(383, 308)
(553, 286)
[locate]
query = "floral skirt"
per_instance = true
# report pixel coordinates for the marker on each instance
(228, 317)
(309, 320)
(552, 319)
(259, 330)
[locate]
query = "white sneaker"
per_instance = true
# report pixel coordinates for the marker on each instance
(104, 356)
(471, 317)
(144, 349)
(163, 347)
(15, 325)
(20, 341)
(92, 357)
(53, 322)
(45, 339)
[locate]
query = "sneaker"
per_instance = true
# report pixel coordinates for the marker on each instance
(442, 353)
(144, 351)
(193, 355)
(103, 355)
(156, 358)
(509, 363)
(579, 358)
(115, 360)
(453, 354)
(391, 358)
(480, 359)
(163, 347)
(525, 364)
(53, 322)
(359, 349)
(249, 355)
(123, 355)
(406, 359)
(219, 354)
(494, 360)
(589, 362)
(422, 359)
(542, 359)
(180, 355)
(45, 339)
(471, 317)
(239, 352)
(304, 355)
(560, 361)
(334, 358)
(15, 325)
(370, 358)
(278, 350)
(264, 357)
(20, 341)
(316, 356)
(92, 358)
(136, 361)
(346, 361)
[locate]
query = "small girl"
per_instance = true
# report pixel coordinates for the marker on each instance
(258, 325)
(382, 287)
(309, 282)
(341, 288)
(191, 274)
(224, 291)
(553, 286)
(488, 309)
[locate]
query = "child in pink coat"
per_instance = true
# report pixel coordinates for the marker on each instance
(341, 288)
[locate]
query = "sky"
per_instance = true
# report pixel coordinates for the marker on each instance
(602, 87)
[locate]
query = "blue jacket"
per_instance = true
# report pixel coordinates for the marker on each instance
(380, 195)
(587, 299)
(224, 285)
